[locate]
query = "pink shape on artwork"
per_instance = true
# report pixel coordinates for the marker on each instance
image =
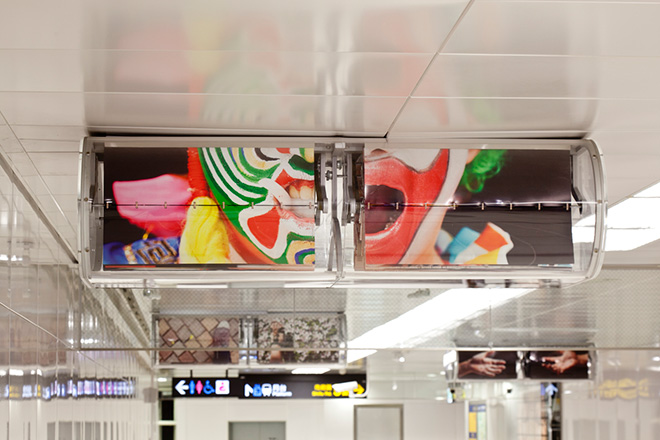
(162, 203)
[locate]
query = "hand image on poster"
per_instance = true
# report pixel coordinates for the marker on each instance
(202, 206)
(409, 219)
(553, 364)
(487, 364)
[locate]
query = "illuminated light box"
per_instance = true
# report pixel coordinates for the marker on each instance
(557, 364)
(330, 212)
(496, 365)
(271, 386)
(467, 207)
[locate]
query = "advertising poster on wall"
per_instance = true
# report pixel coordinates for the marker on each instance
(188, 340)
(439, 207)
(557, 364)
(305, 332)
(496, 365)
(201, 207)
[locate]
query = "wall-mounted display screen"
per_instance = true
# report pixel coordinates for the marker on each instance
(467, 207)
(487, 365)
(208, 206)
(557, 364)
(272, 386)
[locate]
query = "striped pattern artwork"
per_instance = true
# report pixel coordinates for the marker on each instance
(267, 195)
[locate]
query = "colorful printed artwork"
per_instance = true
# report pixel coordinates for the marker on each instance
(206, 206)
(188, 340)
(467, 207)
(317, 332)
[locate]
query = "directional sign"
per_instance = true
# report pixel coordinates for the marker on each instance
(269, 386)
(201, 388)
(181, 387)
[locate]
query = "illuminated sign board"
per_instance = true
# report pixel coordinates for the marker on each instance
(271, 386)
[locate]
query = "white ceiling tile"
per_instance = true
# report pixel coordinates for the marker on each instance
(42, 108)
(268, 73)
(541, 76)
(62, 185)
(575, 28)
(627, 115)
(32, 146)
(8, 142)
(72, 216)
(243, 113)
(50, 132)
(297, 25)
(67, 202)
(36, 185)
(41, 71)
(56, 164)
(22, 164)
(441, 115)
(38, 24)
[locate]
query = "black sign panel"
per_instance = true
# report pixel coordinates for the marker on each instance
(272, 386)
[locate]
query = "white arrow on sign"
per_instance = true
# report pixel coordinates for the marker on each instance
(181, 387)
(551, 390)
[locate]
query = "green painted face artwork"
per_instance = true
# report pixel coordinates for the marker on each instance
(268, 199)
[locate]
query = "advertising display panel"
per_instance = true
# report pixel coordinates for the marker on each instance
(203, 207)
(557, 364)
(438, 207)
(496, 365)
(324, 212)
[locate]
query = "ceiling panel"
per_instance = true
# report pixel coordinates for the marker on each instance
(298, 25)
(41, 70)
(559, 28)
(60, 164)
(275, 114)
(532, 76)
(57, 109)
(441, 115)
(266, 73)
(50, 146)
(38, 24)
(72, 133)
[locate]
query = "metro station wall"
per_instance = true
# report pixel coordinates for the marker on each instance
(41, 336)
(314, 419)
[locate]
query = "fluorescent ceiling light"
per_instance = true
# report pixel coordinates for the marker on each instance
(430, 319)
(631, 223)
(162, 379)
(201, 286)
(310, 370)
